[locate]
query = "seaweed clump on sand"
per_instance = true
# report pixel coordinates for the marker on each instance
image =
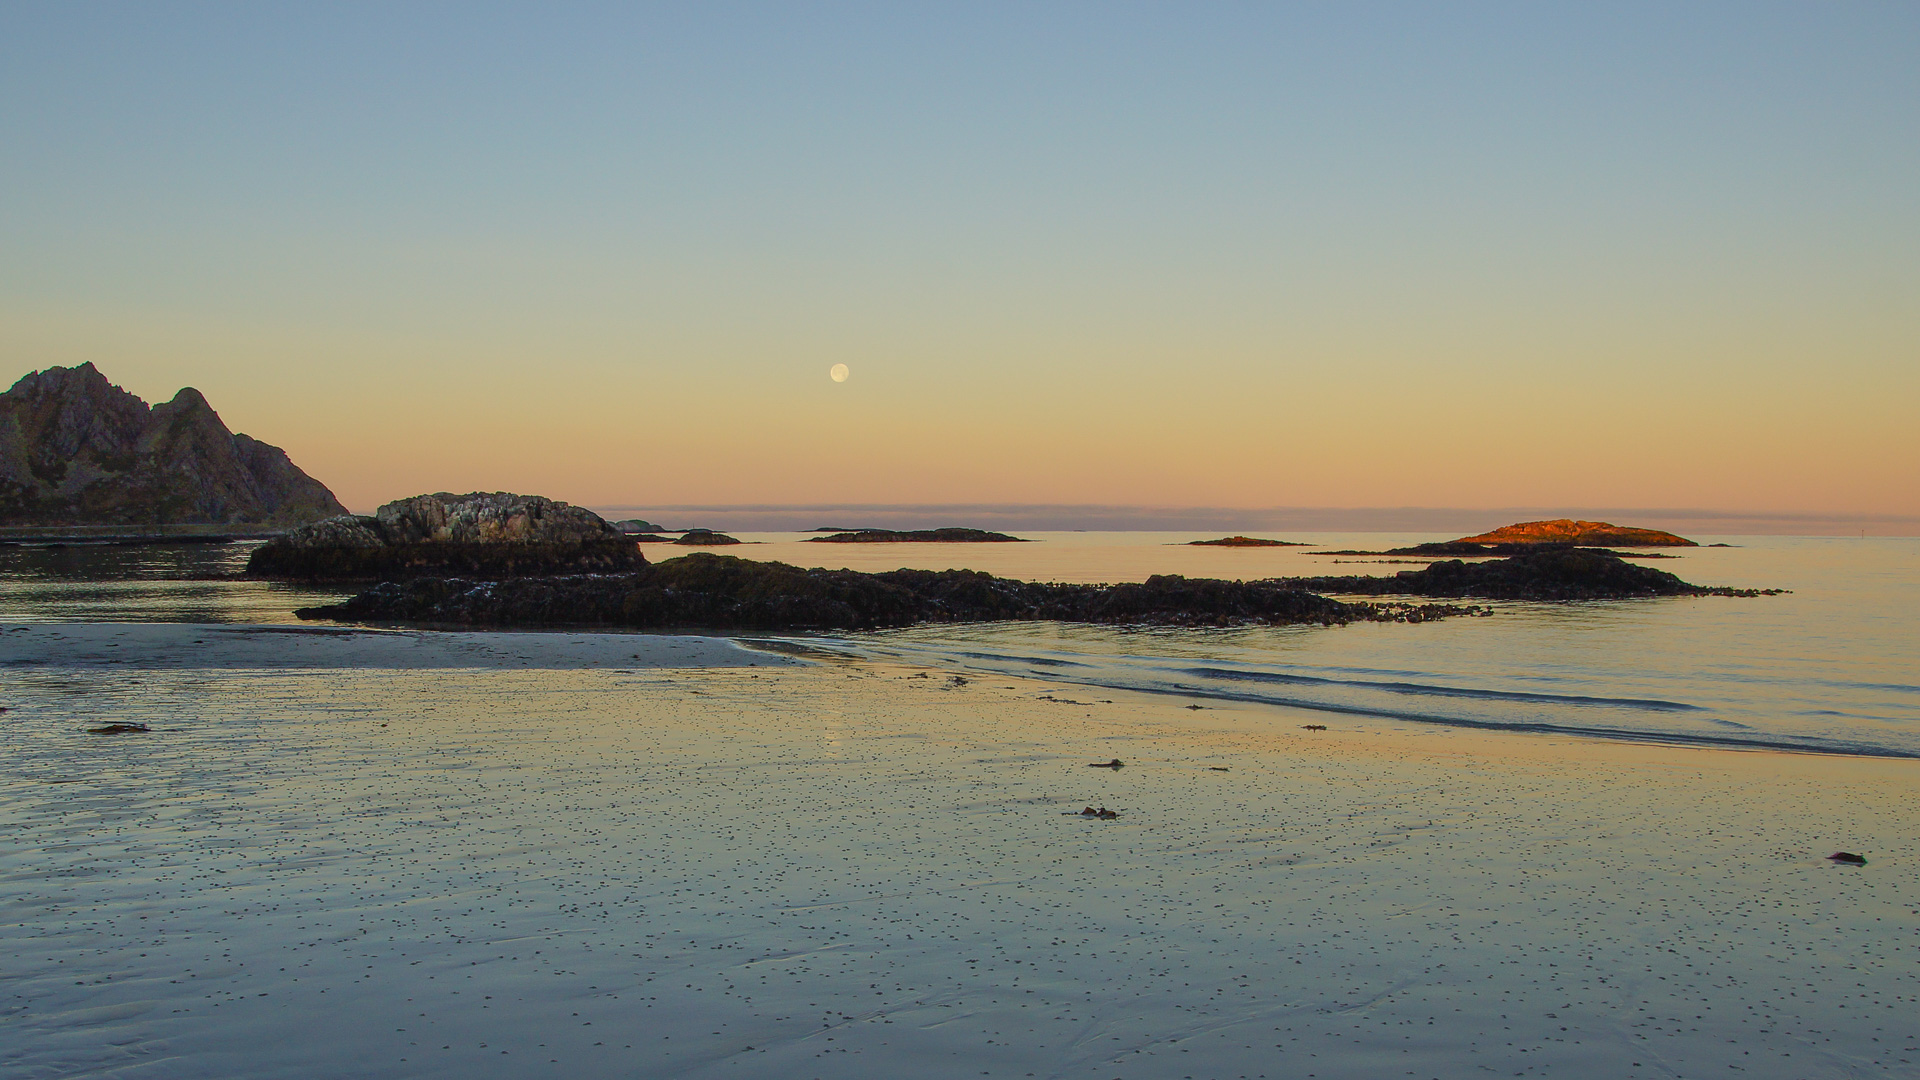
(722, 592)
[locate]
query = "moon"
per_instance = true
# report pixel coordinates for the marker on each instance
(838, 372)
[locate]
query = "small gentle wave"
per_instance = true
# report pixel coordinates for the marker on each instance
(1108, 659)
(1436, 690)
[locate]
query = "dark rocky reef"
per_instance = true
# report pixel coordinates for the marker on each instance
(1579, 534)
(1548, 573)
(484, 535)
(917, 536)
(704, 538)
(1243, 541)
(1470, 549)
(722, 592)
(76, 450)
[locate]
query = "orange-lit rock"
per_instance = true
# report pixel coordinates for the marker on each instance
(1579, 534)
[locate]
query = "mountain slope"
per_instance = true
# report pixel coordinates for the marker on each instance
(77, 450)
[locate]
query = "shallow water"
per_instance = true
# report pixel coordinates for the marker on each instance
(192, 583)
(390, 854)
(1830, 666)
(849, 871)
(1827, 667)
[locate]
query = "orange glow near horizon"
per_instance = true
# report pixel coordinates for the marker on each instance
(1255, 256)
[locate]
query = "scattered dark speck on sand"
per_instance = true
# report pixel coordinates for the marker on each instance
(118, 729)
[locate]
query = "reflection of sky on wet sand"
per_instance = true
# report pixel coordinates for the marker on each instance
(845, 871)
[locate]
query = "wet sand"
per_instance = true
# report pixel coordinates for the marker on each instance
(625, 855)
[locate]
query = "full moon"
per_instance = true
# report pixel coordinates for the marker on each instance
(839, 372)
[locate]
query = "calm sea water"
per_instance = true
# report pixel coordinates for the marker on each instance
(1832, 666)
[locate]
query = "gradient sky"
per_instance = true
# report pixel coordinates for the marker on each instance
(1223, 254)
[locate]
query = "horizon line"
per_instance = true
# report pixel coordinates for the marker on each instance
(786, 517)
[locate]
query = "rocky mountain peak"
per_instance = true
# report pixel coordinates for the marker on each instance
(77, 450)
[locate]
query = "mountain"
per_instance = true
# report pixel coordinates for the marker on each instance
(1579, 534)
(77, 450)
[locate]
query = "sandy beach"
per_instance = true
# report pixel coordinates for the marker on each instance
(623, 855)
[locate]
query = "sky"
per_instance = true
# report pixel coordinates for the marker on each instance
(1223, 255)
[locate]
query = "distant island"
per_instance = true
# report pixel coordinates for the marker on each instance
(920, 536)
(705, 538)
(1578, 534)
(1243, 541)
(76, 450)
(1526, 536)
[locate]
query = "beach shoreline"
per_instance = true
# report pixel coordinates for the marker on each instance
(685, 865)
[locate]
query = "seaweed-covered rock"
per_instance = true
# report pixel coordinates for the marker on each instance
(1550, 573)
(722, 592)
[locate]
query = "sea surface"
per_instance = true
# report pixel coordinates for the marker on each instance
(1831, 666)
(353, 852)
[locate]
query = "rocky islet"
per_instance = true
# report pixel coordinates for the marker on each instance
(483, 534)
(1577, 534)
(916, 536)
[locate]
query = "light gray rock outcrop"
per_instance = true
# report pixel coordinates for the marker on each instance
(492, 534)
